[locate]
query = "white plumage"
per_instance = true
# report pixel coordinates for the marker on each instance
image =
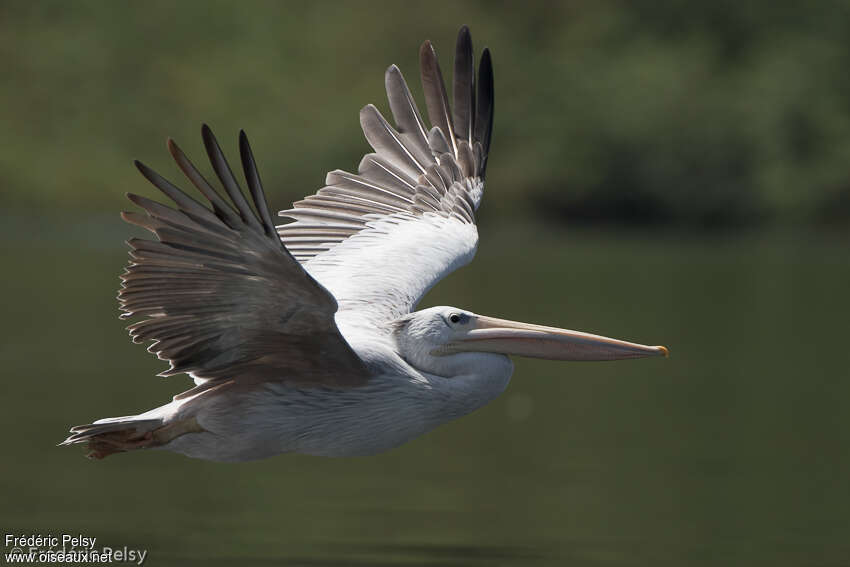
(303, 337)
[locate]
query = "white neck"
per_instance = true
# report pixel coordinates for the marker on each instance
(458, 395)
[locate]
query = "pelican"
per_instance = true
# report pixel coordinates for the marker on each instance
(303, 337)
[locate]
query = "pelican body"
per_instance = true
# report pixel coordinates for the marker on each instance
(304, 337)
(400, 402)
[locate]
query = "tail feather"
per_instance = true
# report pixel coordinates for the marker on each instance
(113, 435)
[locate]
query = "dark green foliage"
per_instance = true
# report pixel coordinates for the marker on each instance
(694, 113)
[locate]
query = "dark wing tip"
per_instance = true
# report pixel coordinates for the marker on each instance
(427, 49)
(210, 141)
(131, 217)
(484, 112)
(392, 70)
(255, 186)
(486, 55)
(155, 179)
(178, 155)
(226, 177)
(173, 148)
(463, 91)
(207, 136)
(245, 149)
(149, 174)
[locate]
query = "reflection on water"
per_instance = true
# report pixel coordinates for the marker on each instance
(732, 452)
(430, 555)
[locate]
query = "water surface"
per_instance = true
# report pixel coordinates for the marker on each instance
(732, 452)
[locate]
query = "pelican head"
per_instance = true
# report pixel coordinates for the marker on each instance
(447, 340)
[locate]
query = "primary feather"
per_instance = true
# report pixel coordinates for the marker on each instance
(220, 296)
(415, 197)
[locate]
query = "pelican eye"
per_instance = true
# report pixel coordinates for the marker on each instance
(455, 318)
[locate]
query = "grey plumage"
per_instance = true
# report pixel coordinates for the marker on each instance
(436, 100)
(220, 295)
(406, 115)
(415, 169)
(389, 144)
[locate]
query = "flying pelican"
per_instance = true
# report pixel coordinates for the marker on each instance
(302, 337)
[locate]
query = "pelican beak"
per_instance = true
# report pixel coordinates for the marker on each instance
(488, 334)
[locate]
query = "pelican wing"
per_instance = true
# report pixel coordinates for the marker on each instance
(380, 238)
(219, 294)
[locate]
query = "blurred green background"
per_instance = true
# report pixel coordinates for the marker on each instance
(666, 172)
(715, 113)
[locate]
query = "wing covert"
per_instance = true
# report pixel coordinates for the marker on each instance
(220, 296)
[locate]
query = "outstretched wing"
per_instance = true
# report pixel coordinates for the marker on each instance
(219, 294)
(379, 239)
